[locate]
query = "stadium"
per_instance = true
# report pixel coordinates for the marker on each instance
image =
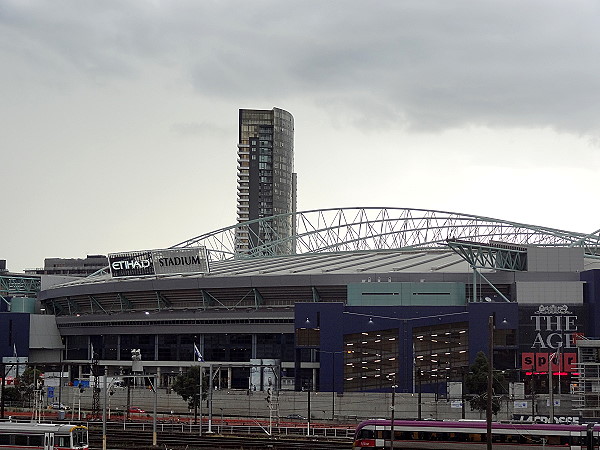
(370, 298)
(368, 295)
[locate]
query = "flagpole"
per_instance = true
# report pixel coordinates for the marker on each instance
(551, 390)
(16, 356)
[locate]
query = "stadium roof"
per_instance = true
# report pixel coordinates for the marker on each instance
(355, 229)
(367, 240)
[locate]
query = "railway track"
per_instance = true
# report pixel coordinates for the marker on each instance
(119, 439)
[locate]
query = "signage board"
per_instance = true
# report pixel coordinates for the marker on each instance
(130, 264)
(548, 335)
(546, 419)
(158, 262)
(181, 260)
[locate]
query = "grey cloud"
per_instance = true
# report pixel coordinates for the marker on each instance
(427, 65)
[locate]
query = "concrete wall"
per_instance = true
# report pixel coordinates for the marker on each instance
(348, 408)
(570, 292)
(554, 259)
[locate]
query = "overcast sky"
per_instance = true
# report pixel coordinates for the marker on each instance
(118, 119)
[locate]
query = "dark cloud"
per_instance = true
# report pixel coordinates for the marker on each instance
(421, 65)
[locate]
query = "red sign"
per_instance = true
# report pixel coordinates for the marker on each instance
(538, 362)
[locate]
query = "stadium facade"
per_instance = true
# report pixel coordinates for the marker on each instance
(370, 297)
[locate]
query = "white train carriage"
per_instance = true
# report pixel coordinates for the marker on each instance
(42, 436)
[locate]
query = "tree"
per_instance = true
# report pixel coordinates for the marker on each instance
(31, 377)
(11, 394)
(188, 387)
(476, 382)
(29, 381)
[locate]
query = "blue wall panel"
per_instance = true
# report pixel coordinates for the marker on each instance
(591, 296)
(14, 332)
(335, 320)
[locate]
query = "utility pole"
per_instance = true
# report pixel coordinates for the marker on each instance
(332, 385)
(105, 382)
(488, 412)
(532, 398)
(462, 394)
(2, 391)
(96, 387)
(419, 397)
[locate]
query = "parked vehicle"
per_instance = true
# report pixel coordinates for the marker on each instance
(57, 405)
(136, 410)
(295, 417)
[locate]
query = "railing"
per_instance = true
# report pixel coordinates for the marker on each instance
(301, 429)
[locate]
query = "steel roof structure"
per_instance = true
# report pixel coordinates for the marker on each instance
(378, 228)
(334, 247)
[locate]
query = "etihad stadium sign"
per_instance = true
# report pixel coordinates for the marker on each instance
(158, 262)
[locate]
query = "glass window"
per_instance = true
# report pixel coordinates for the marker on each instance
(77, 347)
(369, 357)
(36, 440)
(276, 346)
(185, 350)
(167, 347)
(80, 437)
(227, 347)
(308, 337)
(105, 347)
(440, 350)
(145, 342)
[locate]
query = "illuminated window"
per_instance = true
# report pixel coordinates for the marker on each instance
(369, 358)
(440, 351)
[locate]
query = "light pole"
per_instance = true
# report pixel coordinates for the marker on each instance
(333, 391)
(154, 407)
(308, 407)
(332, 385)
(393, 407)
(201, 370)
(488, 412)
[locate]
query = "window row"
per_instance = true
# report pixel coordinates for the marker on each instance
(214, 347)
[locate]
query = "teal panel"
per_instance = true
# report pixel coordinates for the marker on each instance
(435, 294)
(375, 294)
(406, 294)
(22, 304)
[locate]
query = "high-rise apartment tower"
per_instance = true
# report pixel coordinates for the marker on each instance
(266, 178)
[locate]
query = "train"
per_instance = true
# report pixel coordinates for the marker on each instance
(42, 436)
(460, 435)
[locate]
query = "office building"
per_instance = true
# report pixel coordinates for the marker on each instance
(76, 267)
